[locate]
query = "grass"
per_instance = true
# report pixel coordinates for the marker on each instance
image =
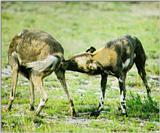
(77, 26)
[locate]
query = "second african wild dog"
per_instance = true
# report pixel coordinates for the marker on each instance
(115, 58)
(36, 54)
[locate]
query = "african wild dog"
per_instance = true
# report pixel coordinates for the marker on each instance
(116, 58)
(36, 54)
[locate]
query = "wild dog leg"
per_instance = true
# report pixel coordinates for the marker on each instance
(61, 78)
(122, 93)
(143, 76)
(14, 79)
(140, 64)
(38, 83)
(101, 101)
(32, 95)
(142, 73)
(103, 89)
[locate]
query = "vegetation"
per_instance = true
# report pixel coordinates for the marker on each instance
(77, 26)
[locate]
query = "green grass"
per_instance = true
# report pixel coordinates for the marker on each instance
(77, 26)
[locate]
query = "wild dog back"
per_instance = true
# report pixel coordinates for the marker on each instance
(32, 45)
(116, 52)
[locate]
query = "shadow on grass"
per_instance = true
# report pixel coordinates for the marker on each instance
(90, 111)
(146, 108)
(85, 110)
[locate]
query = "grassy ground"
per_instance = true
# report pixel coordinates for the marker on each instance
(78, 25)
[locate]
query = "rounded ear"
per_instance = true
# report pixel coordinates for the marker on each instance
(91, 49)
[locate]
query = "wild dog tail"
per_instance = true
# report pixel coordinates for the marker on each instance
(140, 53)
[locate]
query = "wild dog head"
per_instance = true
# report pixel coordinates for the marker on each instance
(84, 63)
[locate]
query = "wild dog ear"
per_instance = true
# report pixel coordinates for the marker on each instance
(91, 49)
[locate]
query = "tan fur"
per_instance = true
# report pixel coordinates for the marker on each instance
(82, 61)
(105, 56)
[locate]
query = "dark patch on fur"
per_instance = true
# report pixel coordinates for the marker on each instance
(25, 71)
(70, 65)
